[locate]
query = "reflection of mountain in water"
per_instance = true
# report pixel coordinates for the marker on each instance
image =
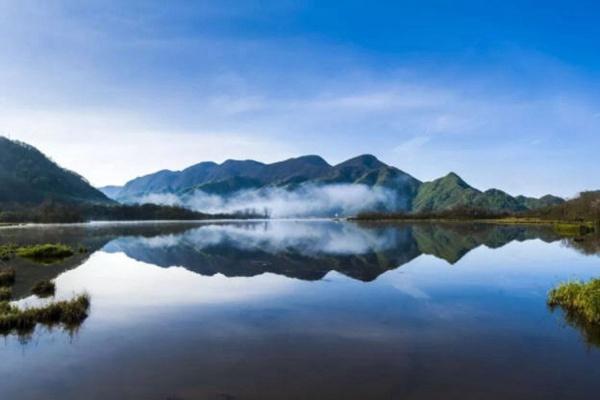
(91, 236)
(310, 250)
(299, 250)
(451, 242)
(303, 250)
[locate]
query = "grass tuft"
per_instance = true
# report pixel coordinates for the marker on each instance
(579, 300)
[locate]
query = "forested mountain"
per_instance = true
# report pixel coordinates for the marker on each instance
(28, 177)
(410, 194)
(451, 192)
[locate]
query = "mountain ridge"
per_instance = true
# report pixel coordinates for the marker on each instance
(28, 177)
(412, 195)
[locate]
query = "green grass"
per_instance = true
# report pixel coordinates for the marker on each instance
(67, 313)
(45, 252)
(44, 289)
(579, 300)
(5, 293)
(7, 276)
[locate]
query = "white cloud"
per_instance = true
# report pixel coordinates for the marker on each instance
(113, 147)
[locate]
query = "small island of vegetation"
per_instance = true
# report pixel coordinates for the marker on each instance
(578, 298)
(580, 302)
(43, 253)
(67, 313)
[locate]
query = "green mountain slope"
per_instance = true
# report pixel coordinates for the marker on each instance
(451, 192)
(444, 194)
(411, 195)
(28, 177)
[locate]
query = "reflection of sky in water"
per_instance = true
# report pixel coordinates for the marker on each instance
(124, 289)
(425, 330)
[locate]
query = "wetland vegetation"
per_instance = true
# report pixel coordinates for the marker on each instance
(68, 314)
(46, 253)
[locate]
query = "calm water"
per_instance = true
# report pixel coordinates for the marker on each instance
(305, 310)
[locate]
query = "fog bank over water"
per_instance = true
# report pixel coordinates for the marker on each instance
(305, 201)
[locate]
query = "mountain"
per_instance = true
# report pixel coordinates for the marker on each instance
(451, 192)
(111, 190)
(28, 177)
(409, 194)
(233, 176)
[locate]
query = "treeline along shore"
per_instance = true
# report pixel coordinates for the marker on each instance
(581, 214)
(57, 212)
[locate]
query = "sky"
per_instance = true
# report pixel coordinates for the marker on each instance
(504, 93)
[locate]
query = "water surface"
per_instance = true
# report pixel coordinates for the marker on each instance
(305, 310)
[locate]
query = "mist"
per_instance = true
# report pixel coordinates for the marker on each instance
(306, 201)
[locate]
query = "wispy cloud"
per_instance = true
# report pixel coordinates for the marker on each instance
(115, 90)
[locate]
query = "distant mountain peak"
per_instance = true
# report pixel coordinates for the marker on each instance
(410, 194)
(454, 178)
(364, 160)
(311, 159)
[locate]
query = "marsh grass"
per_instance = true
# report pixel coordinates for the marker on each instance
(67, 313)
(46, 253)
(44, 289)
(7, 277)
(579, 300)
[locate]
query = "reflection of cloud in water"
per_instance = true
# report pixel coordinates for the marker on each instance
(116, 281)
(274, 237)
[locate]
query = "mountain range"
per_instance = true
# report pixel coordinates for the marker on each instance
(410, 194)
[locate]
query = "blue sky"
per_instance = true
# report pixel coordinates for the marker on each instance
(504, 93)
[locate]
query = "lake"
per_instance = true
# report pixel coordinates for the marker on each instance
(305, 310)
